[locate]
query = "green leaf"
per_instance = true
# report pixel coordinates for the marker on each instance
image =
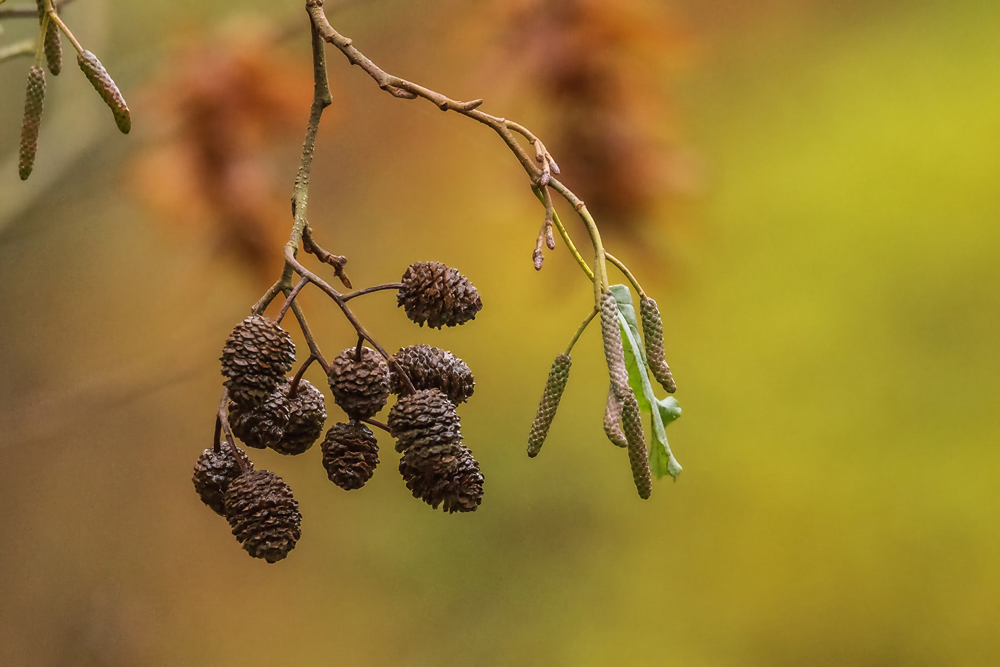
(661, 459)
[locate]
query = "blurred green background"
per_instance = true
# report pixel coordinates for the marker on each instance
(831, 291)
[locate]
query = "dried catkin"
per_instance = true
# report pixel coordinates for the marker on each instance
(547, 407)
(34, 100)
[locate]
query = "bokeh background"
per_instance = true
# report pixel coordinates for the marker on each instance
(809, 188)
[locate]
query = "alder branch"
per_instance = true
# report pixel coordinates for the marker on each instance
(539, 176)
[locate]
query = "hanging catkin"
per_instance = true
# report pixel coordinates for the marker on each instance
(547, 407)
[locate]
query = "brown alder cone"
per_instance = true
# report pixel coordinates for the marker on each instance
(106, 88)
(433, 368)
(438, 295)
(260, 426)
(53, 45)
(350, 455)
(435, 465)
(34, 101)
(444, 476)
(652, 330)
(213, 473)
(423, 419)
(263, 514)
(307, 416)
(547, 407)
(612, 419)
(255, 358)
(360, 386)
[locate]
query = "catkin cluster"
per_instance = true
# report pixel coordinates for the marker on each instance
(622, 414)
(50, 44)
(267, 409)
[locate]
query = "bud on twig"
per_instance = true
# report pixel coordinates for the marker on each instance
(33, 102)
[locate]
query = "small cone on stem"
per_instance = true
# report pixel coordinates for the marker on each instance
(360, 386)
(213, 473)
(350, 455)
(438, 295)
(433, 368)
(263, 514)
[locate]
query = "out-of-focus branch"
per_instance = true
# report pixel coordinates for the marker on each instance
(29, 13)
(26, 47)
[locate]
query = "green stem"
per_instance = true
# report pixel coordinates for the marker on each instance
(62, 26)
(579, 332)
(39, 48)
(628, 274)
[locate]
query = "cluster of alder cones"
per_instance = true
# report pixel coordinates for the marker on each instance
(267, 409)
(50, 43)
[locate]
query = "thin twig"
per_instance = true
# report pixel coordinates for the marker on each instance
(628, 274)
(369, 290)
(336, 261)
(289, 299)
(272, 291)
(26, 47)
(66, 31)
(579, 332)
(294, 386)
(377, 424)
(218, 435)
(230, 438)
(307, 334)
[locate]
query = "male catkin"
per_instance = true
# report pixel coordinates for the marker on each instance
(652, 330)
(547, 407)
(34, 100)
(637, 456)
(52, 45)
(106, 88)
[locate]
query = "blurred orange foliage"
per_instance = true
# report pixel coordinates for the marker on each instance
(221, 107)
(599, 68)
